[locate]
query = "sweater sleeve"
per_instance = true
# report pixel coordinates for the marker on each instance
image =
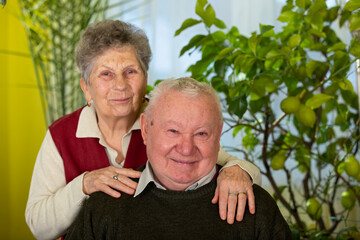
(52, 204)
(81, 227)
(226, 160)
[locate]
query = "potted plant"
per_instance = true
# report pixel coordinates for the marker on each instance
(288, 95)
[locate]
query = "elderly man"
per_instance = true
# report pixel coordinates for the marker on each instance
(181, 128)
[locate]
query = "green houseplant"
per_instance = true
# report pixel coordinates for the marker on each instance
(289, 97)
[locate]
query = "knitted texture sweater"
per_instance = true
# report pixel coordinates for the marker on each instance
(160, 214)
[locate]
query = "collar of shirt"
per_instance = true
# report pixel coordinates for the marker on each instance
(88, 128)
(147, 176)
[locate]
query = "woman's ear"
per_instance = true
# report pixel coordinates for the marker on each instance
(85, 89)
(144, 127)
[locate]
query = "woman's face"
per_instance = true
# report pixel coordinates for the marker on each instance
(117, 83)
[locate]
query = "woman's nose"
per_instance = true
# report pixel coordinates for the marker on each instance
(119, 83)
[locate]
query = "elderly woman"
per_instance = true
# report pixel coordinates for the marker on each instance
(97, 147)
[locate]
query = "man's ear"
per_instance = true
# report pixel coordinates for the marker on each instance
(144, 127)
(84, 88)
(221, 127)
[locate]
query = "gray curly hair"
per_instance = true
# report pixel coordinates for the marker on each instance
(101, 36)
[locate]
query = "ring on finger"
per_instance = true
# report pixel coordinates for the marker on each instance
(116, 177)
(237, 193)
(233, 193)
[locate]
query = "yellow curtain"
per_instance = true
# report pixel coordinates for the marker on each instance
(22, 125)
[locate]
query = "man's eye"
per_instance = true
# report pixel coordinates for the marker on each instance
(202, 133)
(172, 130)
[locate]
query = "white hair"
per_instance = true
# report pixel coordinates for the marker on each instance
(187, 86)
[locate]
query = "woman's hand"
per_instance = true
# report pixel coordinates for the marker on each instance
(234, 186)
(103, 180)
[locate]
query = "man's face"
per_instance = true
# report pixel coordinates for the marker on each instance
(182, 138)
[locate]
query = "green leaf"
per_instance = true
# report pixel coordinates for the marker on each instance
(219, 23)
(247, 65)
(317, 100)
(186, 24)
(294, 40)
(355, 48)
(346, 85)
(199, 8)
(253, 42)
(223, 53)
(201, 66)
(300, 3)
(352, 5)
(202, 3)
(209, 16)
(236, 130)
(291, 83)
(336, 47)
(311, 66)
(218, 36)
(193, 43)
(341, 168)
(354, 22)
(265, 28)
(286, 16)
(249, 141)
(238, 105)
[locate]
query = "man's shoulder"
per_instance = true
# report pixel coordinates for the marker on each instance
(259, 191)
(98, 199)
(263, 200)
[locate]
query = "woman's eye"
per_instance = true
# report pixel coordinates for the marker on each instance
(106, 74)
(129, 72)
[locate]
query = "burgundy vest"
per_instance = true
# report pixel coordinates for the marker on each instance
(86, 154)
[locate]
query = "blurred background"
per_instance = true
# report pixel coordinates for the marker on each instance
(22, 122)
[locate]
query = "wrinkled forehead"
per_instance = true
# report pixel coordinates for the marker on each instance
(178, 106)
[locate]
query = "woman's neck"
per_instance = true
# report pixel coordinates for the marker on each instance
(114, 129)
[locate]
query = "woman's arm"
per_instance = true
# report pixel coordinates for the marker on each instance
(52, 204)
(234, 187)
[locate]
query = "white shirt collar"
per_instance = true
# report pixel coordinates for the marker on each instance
(88, 126)
(147, 176)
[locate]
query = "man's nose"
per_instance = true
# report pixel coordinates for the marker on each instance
(186, 145)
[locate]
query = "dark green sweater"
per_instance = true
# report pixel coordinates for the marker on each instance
(159, 214)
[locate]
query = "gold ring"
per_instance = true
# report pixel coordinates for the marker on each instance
(233, 193)
(236, 193)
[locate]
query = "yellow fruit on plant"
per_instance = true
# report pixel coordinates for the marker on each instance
(352, 166)
(305, 116)
(358, 176)
(348, 199)
(290, 104)
(313, 208)
(278, 161)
